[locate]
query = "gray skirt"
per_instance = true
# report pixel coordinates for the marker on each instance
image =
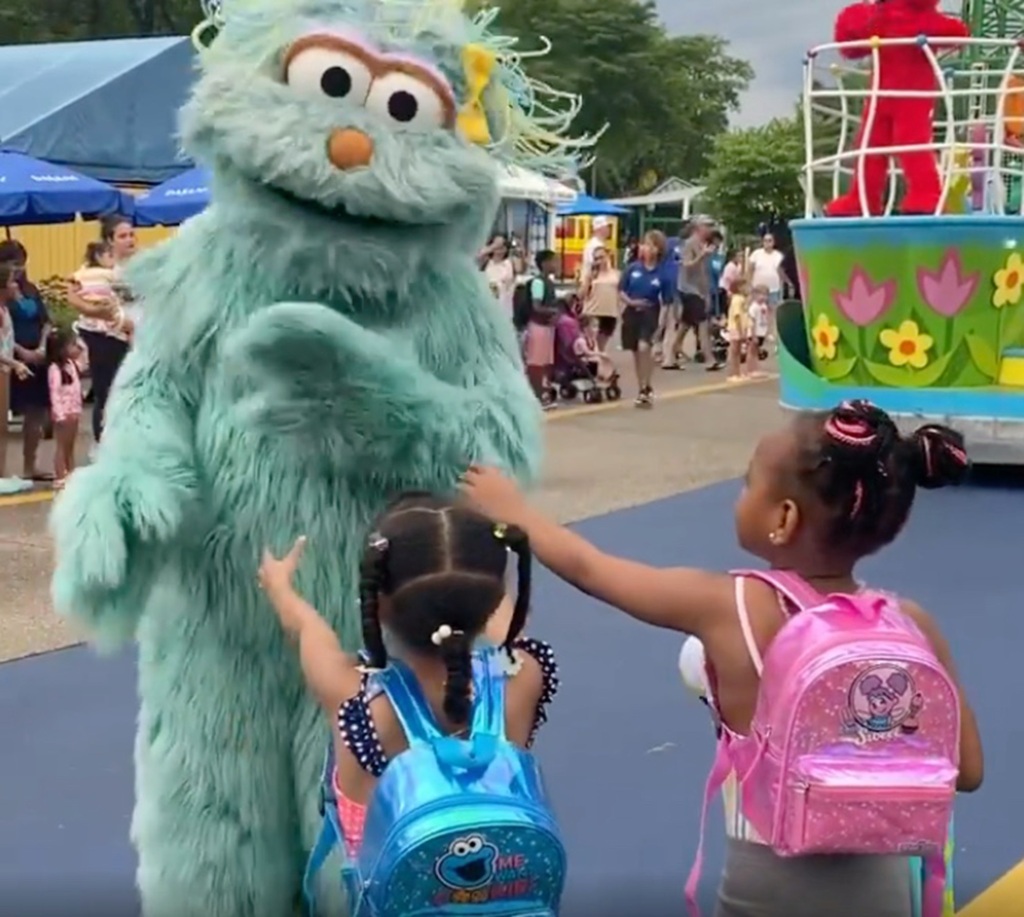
(757, 883)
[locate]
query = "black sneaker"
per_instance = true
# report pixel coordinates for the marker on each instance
(714, 367)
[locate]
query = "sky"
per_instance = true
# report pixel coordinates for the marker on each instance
(771, 34)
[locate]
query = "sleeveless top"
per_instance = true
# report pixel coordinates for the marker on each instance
(359, 734)
(736, 826)
(603, 297)
(6, 338)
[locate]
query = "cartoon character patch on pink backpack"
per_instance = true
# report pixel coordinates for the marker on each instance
(854, 746)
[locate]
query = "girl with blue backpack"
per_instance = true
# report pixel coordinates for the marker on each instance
(429, 790)
(841, 719)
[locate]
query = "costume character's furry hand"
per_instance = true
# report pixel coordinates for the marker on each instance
(304, 370)
(101, 525)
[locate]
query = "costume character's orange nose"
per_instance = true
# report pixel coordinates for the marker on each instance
(349, 149)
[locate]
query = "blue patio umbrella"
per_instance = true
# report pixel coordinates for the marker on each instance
(587, 206)
(174, 201)
(34, 192)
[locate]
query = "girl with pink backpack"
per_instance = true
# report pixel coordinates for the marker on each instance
(843, 725)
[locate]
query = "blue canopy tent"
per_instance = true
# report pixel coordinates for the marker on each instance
(33, 192)
(587, 206)
(175, 201)
(107, 109)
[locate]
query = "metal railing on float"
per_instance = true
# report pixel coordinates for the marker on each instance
(973, 145)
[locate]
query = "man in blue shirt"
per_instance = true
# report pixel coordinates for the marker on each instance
(642, 293)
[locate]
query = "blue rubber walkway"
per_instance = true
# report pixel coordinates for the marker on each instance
(626, 752)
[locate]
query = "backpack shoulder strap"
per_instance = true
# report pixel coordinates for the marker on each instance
(788, 584)
(489, 678)
(409, 704)
(748, 631)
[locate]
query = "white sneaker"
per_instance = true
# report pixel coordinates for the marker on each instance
(10, 486)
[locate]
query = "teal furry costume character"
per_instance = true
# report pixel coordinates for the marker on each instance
(317, 341)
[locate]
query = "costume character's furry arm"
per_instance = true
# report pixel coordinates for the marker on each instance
(940, 25)
(116, 515)
(858, 22)
(305, 372)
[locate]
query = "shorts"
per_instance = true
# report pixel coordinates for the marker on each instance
(671, 314)
(638, 327)
(606, 325)
(539, 349)
(758, 883)
(774, 298)
(695, 309)
(31, 395)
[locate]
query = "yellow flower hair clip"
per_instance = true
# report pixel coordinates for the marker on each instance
(478, 64)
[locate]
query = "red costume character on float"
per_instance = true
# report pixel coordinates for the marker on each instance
(896, 121)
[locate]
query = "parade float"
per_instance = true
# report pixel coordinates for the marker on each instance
(921, 313)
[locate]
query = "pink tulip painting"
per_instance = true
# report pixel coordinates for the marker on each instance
(804, 281)
(948, 289)
(865, 301)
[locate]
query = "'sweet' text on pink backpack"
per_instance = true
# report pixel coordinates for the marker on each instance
(854, 744)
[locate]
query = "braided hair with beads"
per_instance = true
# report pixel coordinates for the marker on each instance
(441, 566)
(865, 474)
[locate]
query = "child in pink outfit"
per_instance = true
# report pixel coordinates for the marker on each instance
(62, 351)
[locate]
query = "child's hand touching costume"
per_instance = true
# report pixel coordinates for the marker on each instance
(275, 578)
(493, 494)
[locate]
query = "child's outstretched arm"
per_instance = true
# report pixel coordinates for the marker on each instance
(331, 675)
(681, 599)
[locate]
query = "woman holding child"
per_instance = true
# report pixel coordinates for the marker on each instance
(98, 294)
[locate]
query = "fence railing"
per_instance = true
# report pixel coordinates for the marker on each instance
(971, 136)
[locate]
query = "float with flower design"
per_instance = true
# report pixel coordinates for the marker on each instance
(924, 315)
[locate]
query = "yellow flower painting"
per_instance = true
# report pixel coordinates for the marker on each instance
(907, 345)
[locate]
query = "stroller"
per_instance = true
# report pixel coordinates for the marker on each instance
(577, 372)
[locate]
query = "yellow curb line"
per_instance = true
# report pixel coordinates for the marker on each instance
(561, 413)
(1004, 898)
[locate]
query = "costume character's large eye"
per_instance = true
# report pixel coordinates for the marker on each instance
(409, 102)
(329, 71)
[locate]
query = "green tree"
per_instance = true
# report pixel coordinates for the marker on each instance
(663, 98)
(24, 21)
(754, 175)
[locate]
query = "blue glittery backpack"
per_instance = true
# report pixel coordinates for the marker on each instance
(455, 826)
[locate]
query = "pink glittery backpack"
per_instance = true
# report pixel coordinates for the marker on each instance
(854, 744)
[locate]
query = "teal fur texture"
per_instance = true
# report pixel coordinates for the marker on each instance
(313, 344)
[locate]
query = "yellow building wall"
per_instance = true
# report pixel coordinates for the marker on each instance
(58, 250)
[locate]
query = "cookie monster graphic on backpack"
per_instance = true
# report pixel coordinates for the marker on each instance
(470, 863)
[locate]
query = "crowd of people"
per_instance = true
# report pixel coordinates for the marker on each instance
(666, 291)
(42, 363)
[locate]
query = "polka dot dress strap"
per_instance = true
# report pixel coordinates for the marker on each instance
(545, 657)
(358, 732)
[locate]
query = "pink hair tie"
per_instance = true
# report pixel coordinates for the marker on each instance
(851, 431)
(858, 499)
